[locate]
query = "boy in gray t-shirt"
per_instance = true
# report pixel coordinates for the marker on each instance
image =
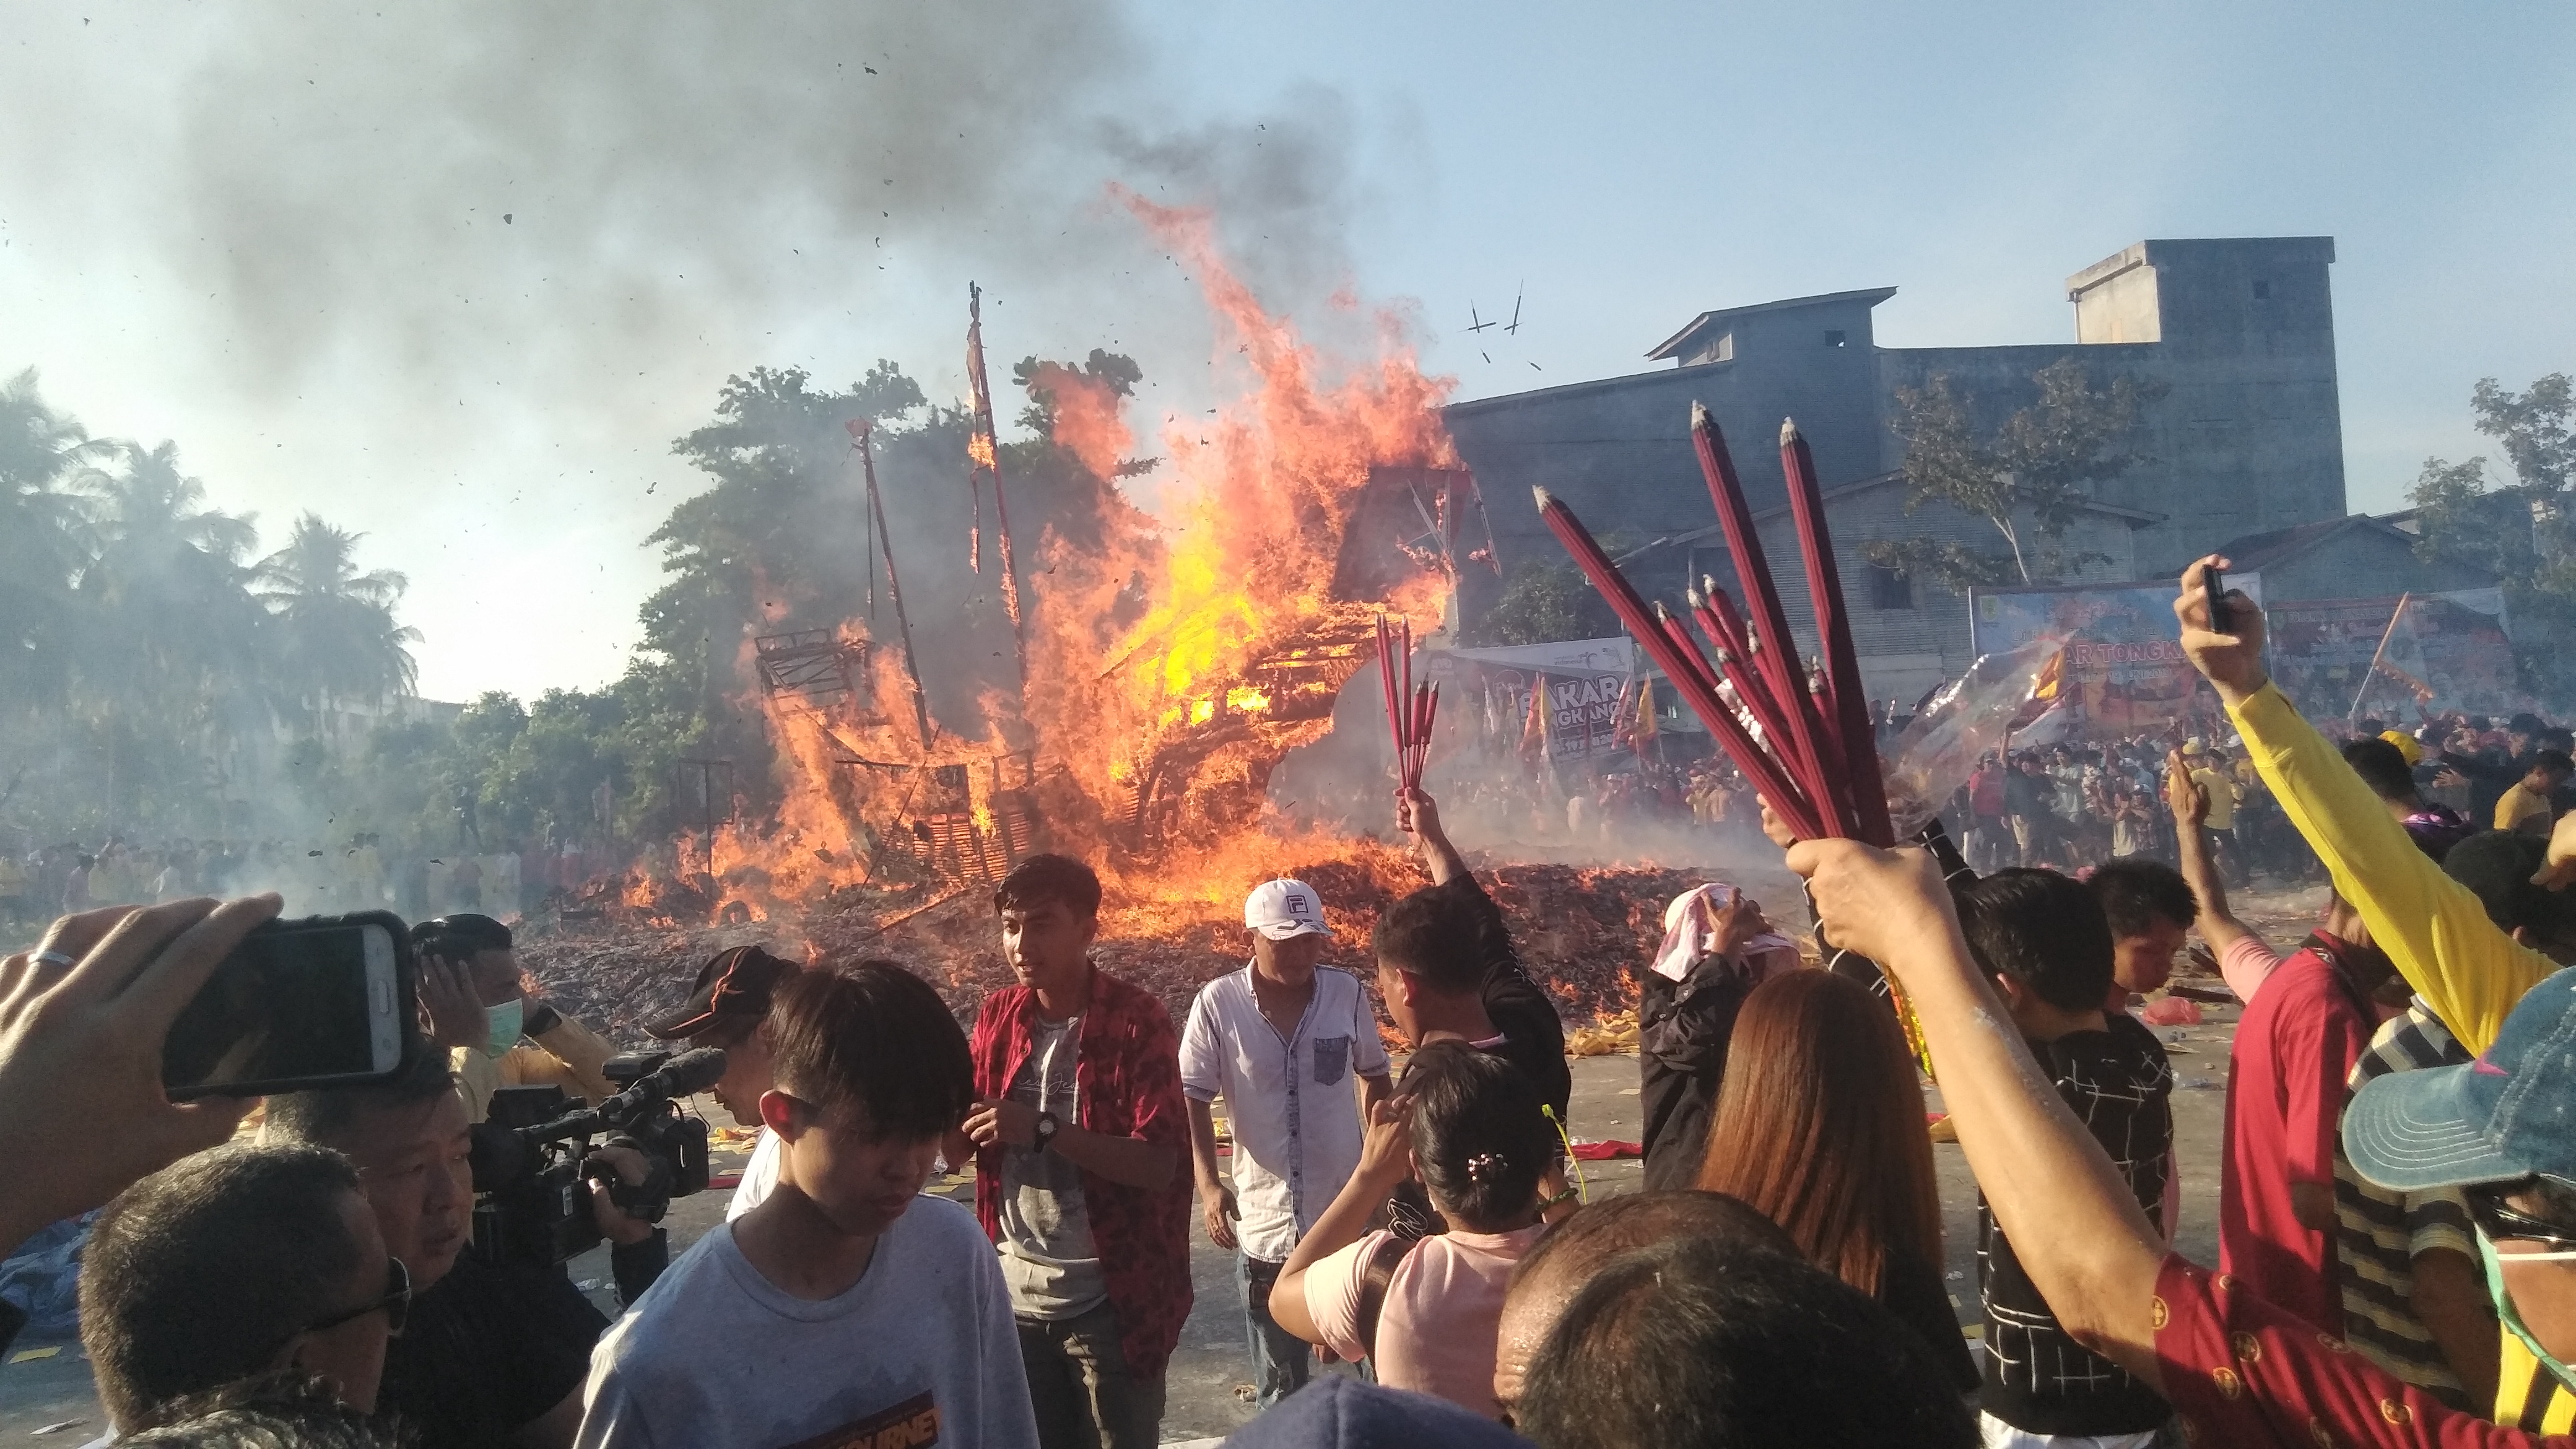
(846, 1308)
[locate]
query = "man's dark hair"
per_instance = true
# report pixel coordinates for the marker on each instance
(874, 1037)
(333, 1116)
(2525, 724)
(461, 934)
(1594, 1234)
(2557, 1201)
(288, 1410)
(197, 1275)
(2550, 762)
(1480, 1141)
(2135, 894)
(1043, 878)
(1702, 1344)
(2043, 930)
(2382, 766)
(1429, 934)
(2497, 866)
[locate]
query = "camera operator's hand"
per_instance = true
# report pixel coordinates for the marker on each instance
(1003, 1123)
(615, 1224)
(82, 1021)
(455, 1014)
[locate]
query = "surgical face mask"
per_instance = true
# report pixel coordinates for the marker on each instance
(508, 1019)
(2503, 1300)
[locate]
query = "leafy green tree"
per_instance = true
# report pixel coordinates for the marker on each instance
(1542, 603)
(2521, 530)
(2041, 464)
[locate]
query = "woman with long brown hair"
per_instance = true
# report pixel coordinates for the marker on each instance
(1819, 1126)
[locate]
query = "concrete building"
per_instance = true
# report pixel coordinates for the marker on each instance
(2358, 556)
(2245, 436)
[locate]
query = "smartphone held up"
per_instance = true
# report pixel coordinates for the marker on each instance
(2222, 619)
(324, 1001)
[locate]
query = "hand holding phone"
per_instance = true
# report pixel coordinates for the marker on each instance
(325, 1001)
(81, 1048)
(2222, 620)
(2224, 641)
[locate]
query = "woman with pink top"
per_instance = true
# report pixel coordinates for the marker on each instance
(1425, 1310)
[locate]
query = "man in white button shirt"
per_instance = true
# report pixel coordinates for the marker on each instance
(1280, 1041)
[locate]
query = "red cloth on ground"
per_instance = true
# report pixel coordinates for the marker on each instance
(2294, 1051)
(1604, 1151)
(2243, 1373)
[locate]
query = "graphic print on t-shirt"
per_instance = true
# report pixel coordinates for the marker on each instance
(911, 1424)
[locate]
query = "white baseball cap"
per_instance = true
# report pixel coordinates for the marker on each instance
(1280, 909)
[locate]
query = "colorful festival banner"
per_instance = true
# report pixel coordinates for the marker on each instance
(1589, 691)
(2123, 670)
(2397, 657)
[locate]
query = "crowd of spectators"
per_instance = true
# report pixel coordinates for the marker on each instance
(2397, 1201)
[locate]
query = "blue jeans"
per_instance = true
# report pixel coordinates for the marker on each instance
(1281, 1361)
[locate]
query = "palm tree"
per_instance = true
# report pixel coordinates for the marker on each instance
(44, 540)
(337, 637)
(166, 669)
(173, 628)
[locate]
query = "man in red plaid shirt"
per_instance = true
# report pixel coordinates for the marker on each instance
(1081, 1139)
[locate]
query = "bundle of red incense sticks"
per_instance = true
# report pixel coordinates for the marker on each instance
(1410, 710)
(1806, 744)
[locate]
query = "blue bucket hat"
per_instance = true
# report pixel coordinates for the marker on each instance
(2509, 1115)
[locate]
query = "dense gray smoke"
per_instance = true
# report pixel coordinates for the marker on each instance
(593, 186)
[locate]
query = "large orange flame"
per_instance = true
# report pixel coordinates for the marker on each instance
(1087, 418)
(1233, 660)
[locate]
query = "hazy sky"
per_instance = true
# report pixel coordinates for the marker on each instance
(455, 275)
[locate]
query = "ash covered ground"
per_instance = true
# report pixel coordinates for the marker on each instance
(1583, 932)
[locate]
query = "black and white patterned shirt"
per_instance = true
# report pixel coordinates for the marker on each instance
(2037, 1379)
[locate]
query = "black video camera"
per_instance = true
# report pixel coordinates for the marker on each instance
(533, 1156)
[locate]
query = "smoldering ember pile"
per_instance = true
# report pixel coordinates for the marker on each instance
(1583, 933)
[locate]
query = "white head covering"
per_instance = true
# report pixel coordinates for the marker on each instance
(1690, 932)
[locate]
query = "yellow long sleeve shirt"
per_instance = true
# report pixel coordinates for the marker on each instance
(569, 1055)
(2430, 925)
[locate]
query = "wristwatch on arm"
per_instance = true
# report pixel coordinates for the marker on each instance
(1045, 1130)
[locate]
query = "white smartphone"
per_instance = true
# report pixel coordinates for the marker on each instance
(325, 1001)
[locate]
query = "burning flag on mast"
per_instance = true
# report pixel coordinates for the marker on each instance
(983, 455)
